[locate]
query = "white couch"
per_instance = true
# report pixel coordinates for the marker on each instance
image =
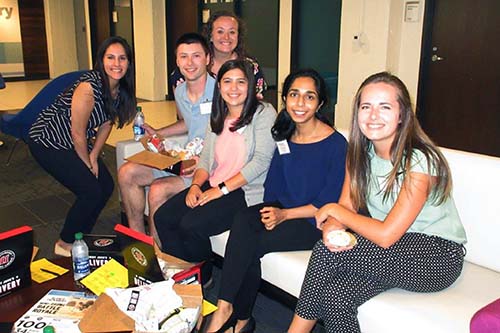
(476, 192)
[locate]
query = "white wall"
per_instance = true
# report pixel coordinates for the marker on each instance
(410, 49)
(61, 39)
(386, 43)
(82, 34)
(284, 45)
(150, 49)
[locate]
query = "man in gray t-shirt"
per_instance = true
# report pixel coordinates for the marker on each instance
(193, 99)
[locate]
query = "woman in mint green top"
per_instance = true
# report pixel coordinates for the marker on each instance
(412, 239)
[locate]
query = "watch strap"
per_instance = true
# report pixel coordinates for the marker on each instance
(223, 188)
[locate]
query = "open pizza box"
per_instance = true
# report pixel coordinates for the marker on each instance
(104, 315)
(161, 160)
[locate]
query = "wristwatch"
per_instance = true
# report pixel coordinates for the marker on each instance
(223, 188)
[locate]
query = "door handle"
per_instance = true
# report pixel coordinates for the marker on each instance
(435, 57)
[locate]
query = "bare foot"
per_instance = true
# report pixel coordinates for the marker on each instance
(61, 248)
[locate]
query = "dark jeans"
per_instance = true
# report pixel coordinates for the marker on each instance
(185, 232)
(248, 242)
(91, 193)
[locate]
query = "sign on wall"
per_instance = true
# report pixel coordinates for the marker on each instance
(11, 54)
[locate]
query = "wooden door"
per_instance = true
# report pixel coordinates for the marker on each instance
(100, 14)
(34, 40)
(459, 92)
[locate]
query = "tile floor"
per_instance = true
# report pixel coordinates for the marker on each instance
(28, 196)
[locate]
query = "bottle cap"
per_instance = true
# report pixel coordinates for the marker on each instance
(139, 108)
(78, 236)
(48, 329)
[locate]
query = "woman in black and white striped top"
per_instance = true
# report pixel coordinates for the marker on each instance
(67, 137)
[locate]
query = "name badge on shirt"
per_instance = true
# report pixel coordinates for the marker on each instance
(241, 129)
(283, 147)
(206, 108)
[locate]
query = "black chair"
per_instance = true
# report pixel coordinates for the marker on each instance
(19, 124)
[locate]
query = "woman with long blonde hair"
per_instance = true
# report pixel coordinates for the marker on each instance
(413, 237)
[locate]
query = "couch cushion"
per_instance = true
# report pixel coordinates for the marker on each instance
(447, 311)
(285, 270)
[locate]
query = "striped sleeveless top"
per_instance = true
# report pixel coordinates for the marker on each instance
(52, 128)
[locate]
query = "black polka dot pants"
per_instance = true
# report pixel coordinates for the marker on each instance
(337, 283)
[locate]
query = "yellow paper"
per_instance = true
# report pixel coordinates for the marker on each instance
(110, 275)
(51, 270)
(207, 308)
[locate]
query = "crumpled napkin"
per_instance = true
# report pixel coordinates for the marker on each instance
(147, 305)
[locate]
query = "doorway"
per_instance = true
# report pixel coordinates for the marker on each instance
(261, 19)
(110, 18)
(316, 42)
(183, 16)
(459, 89)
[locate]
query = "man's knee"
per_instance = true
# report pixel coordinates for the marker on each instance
(125, 173)
(157, 194)
(134, 174)
(163, 189)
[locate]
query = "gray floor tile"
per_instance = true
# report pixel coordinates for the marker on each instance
(45, 236)
(48, 209)
(68, 197)
(15, 215)
(106, 222)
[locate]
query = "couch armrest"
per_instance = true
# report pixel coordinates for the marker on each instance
(125, 149)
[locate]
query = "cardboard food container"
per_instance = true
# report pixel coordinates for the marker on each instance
(102, 248)
(140, 253)
(16, 249)
(104, 315)
(161, 161)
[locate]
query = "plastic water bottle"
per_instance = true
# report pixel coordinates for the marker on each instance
(80, 256)
(138, 122)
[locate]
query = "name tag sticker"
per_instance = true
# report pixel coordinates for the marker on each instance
(206, 108)
(283, 147)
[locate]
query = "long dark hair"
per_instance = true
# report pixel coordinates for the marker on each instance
(125, 111)
(409, 137)
(284, 126)
(219, 107)
(240, 48)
